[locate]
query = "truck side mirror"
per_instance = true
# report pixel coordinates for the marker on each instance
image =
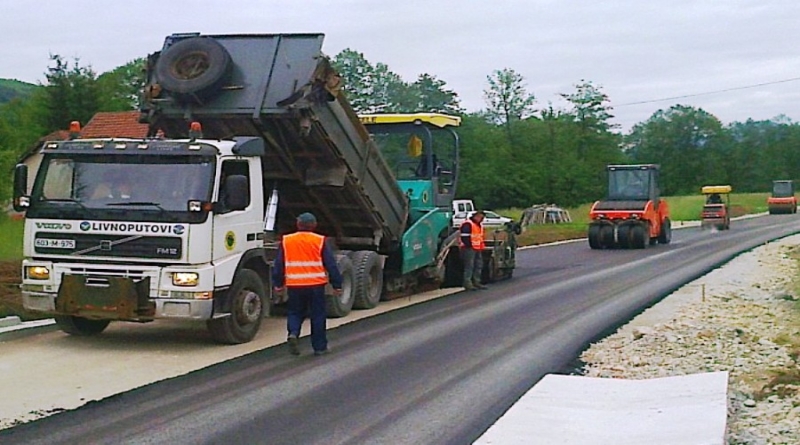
(21, 198)
(235, 193)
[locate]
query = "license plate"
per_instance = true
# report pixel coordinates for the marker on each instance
(54, 243)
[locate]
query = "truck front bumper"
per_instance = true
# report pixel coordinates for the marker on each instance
(112, 293)
(173, 308)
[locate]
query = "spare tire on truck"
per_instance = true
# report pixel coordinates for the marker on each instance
(194, 69)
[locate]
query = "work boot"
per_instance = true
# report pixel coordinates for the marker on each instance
(478, 285)
(469, 286)
(321, 352)
(294, 348)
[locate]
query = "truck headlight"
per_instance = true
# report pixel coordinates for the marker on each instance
(37, 273)
(185, 278)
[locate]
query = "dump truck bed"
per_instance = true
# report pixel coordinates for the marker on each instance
(280, 87)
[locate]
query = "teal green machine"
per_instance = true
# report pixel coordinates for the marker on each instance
(422, 150)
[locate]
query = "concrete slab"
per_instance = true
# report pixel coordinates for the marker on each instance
(574, 410)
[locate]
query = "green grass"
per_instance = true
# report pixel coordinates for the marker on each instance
(10, 239)
(688, 208)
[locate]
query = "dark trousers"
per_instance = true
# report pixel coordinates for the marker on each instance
(473, 266)
(308, 302)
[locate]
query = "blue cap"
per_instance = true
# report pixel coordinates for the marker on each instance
(307, 218)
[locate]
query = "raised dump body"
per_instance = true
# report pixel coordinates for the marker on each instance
(280, 87)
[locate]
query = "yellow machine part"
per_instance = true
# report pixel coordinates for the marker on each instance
(437, 119)
(720, 189)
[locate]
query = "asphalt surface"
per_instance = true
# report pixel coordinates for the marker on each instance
(438, 372)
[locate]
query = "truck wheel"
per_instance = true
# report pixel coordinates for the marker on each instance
(640, 237)
(248, 306)
(337, 307)
(607, 236)
(624, 236)
(368, 279)
(489, 272)
(80, 326)
(594, 236)
(453, 269)
(666, 232)
(193, 69)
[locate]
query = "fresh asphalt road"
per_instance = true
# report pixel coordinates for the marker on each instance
(433, 373)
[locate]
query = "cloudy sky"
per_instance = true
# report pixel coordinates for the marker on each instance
(737, 59)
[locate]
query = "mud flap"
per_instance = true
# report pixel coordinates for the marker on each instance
(107, 298)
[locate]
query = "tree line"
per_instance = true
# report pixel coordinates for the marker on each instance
(514, 152)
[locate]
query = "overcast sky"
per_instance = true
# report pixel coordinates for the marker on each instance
(636, 50)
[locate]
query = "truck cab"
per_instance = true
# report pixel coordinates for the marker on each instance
(123, 229)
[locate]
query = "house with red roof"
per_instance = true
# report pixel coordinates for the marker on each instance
(105, 124)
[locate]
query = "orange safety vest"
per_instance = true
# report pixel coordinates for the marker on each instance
(475, 236)
(302, 254)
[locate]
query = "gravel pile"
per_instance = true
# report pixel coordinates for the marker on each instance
(743, 318)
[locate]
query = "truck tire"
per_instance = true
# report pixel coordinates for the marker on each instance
(193, 69)
(337, 307)
(607, 236)
(248, 307)
(73, 325)
(453, 269)
(640, 237)
(624, 236)
(594, 236)
(368, 279)
(489, 273)
(665, 236)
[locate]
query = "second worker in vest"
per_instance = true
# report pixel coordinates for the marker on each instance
(471, 244)
(304, 265)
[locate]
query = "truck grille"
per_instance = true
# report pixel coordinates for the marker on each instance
(139, 246)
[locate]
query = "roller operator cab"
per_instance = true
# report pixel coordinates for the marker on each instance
(422, 149)
(782, 199)
(633, 214)
(716, 211)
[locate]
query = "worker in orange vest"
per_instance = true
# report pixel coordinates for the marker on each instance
(471, 243)
(304, 265)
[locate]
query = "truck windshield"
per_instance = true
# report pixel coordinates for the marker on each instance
(146, 187)
(782, 189)
(413, 153)
(631, 185)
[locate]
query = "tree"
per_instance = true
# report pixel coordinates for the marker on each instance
(370, 88)
(590, 107)
(433, 96)
(377, 89)
(507, 98)
(120, 88)
(688, 143)
(71, 94)
(356, 73)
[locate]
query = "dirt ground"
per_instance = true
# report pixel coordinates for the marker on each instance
(10, 300)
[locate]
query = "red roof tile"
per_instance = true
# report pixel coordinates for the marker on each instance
(121, 124)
